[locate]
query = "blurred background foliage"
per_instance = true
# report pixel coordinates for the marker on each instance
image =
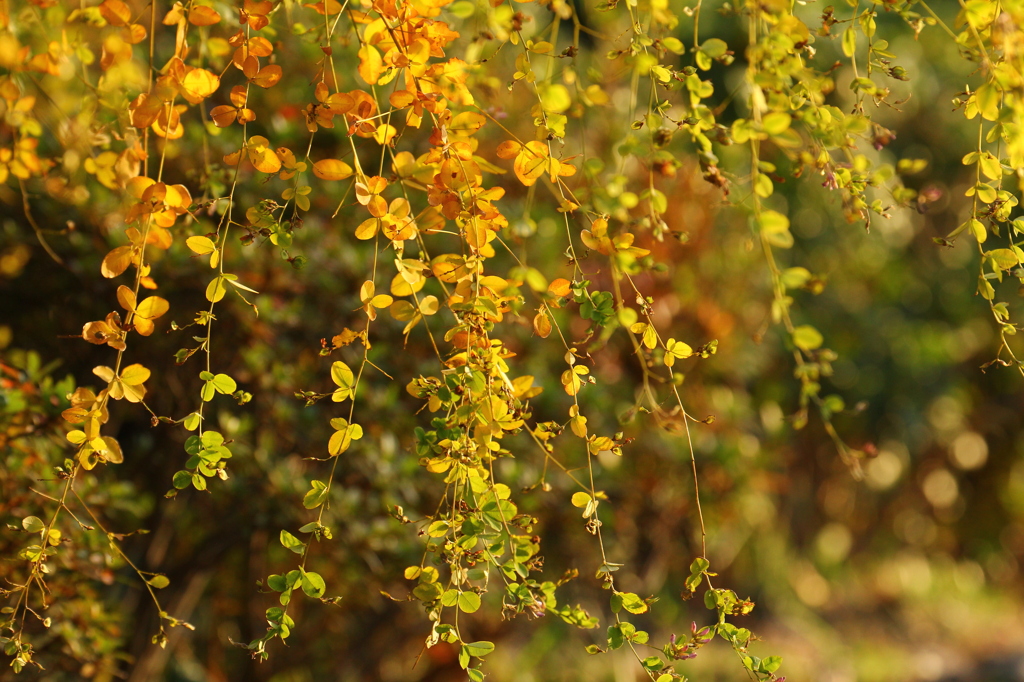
(911, 574)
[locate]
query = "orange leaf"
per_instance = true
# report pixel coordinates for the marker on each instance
(559, 287)
(115, 12)
(223, 115)
(508, 149)
(133, 33)
(116, 262)
(203, 16)
(268, 76)
(542, 325)
(126, 297)
(400, 99)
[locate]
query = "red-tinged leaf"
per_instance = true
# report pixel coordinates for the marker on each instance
(115, 12)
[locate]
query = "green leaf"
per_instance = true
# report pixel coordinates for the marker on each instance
(224, 384)
(212, 439)
(1004, 259)
(478, 649)
(807, 338)
(316, 496)
(469, 602)
(615, 638)
(289, 541)
(794, 278)
(215, 290)
(991, 167)
(159, 581)
(633, 603)
(776, 122)
(463, 9)
(313, 584)
(987, 98)
(714, 47)
(191, 422)
(343, 376)
(978, 230)
(775, 227)
(33, 524)
(182, 479)
(850, 41)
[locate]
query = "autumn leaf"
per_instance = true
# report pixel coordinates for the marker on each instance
(261, 156)
(201, 15)
(198, 84)
(332, 169)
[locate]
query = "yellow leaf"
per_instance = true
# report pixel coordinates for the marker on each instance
(542, 324)
(406, 283)
(201, 245)
(371, 66)
(199, 84)
(531, 162)
(581, 499)
(215, 290)
(126, 297)
(332, 169)
(133, 375)
(366, 291)
(116, 262)
(429, 305)
(152, 308)
(367, 229)
(262, 157)
(466, 123)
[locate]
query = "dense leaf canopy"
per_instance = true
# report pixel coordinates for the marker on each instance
(434, 339)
